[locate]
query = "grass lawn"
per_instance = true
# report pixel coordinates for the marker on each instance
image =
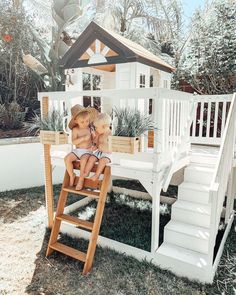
(112, 273)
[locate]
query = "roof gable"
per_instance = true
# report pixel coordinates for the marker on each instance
(118, 49)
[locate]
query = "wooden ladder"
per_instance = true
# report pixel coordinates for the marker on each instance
(100, 193)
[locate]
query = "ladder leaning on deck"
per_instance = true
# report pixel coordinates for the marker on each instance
(99, 192)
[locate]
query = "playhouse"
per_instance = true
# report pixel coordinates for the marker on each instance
(104, 69)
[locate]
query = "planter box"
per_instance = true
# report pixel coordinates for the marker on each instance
(122, 144)
(53, 137)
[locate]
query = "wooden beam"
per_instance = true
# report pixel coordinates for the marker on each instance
(47, 168)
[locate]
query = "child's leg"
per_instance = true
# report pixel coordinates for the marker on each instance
(101, 165)
(89, 166)
(83, 162)
(69, 159)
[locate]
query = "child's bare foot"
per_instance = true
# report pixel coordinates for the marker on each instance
(72, 179)
(80, 184)
(94, 177)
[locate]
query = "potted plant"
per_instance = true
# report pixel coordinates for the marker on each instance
(128, 126)
(49, 128)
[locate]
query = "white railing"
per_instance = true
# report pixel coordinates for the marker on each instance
(210, 118)
(222, 172)
(170, 110)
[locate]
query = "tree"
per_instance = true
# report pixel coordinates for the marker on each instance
(15, 39)
(209, 65)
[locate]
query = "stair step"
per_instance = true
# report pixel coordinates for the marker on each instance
(188, 236)
(186, 256)
(203, 158)
(198, 174)
(92, 194)
(76, 221)
(69, 251)
(191, 213)
(194, 192)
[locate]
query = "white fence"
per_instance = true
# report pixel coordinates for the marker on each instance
(209, 121)
(22, 166)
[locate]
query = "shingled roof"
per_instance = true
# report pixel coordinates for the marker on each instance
(121, 50)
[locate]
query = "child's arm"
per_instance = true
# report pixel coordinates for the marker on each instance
(77, 140)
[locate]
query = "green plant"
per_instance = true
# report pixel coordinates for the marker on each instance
(53, 122)
(130, 122)
(11, 116)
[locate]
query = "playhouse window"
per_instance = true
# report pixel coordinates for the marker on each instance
(142, 81)
(92, 82)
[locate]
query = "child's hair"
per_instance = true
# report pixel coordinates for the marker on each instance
(102, 119)
(82, 115)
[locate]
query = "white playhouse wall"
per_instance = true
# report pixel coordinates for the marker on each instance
(127, 75)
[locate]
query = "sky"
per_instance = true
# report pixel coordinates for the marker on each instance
(190, 6)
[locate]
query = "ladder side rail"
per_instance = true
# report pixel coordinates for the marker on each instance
(97, 220)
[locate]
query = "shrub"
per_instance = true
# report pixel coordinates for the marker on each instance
(130, 122)
(11, 116)
(54, 122)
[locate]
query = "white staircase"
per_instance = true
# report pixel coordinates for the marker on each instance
(185, 249)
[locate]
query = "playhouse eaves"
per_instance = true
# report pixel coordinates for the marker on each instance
(121, 50)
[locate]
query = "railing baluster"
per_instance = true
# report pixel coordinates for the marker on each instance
(208, 119)
(201, 118)
(223, 117)
(216, 118)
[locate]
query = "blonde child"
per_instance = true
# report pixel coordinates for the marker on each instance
(102, 151)
(82, 139)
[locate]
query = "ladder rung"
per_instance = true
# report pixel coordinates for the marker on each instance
(71, 189)
(73, 220)
(69, 251)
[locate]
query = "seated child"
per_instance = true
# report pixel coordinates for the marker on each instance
(102, 151)
(82, 139)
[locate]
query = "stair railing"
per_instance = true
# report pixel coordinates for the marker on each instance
(222, 173)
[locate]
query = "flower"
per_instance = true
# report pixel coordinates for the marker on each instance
(7, 38)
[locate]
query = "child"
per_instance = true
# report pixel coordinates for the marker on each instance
(102, 152)
(82, 139)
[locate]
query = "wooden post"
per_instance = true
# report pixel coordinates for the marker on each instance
(47, 168)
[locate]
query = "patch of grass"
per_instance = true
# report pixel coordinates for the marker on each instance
(19, 203)
(125, 224)
(115, 273)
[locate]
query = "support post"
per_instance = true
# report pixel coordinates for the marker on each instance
(231, 193)
(47, 168)
(155, 213)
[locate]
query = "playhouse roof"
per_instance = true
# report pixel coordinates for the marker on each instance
(117, 49)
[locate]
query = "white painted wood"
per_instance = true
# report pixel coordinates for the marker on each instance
(156, 190)
(74, 206)
(194, 192)
(198, 174)
(90, 52)
(191, 213)
(231, 193)
(216, 137)
(188, 236)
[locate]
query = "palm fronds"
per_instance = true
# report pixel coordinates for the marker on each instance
(130, 122)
